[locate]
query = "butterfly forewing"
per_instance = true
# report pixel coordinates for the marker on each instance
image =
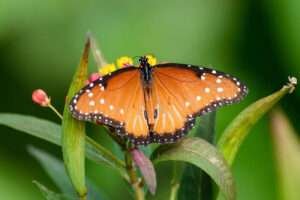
(116, 100)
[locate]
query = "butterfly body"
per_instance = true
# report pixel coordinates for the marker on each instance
(145, 70)
(155, 103)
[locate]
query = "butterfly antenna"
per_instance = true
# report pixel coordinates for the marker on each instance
(136, 57)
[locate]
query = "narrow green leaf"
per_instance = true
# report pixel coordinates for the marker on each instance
(239, 128)
(200, 153)
(95, 193)
(55, 170)
(49, 194)
(205, 127)
(287, 151)
(73, 131)
(194, 180)
(34, 126)
(99, 154)
(51, 132)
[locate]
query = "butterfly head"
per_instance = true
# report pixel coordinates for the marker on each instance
(144, 61)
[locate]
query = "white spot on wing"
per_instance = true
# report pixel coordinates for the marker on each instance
(102, 101)
(187, 104)
(111, 107)
(92, 103)
(198, 98)
(206, 90)
(220, 89)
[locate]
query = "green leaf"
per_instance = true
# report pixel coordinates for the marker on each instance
(51, 132)
(73, 131)
(95, 193)
(194, 180)
(287, 151)
(34, 126)
(49, 194)
(239, 128)
(55, 170)
(205, 127)
(200, 153)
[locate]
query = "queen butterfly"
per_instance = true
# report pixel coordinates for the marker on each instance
(155, 104)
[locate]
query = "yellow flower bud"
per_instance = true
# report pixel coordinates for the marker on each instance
(106, 69)
(124, 61)
(151, 59)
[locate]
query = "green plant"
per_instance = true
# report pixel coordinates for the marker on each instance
(200, 155)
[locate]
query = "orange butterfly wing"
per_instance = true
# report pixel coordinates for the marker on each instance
(115, 100)
(182, 92)
(163, 111)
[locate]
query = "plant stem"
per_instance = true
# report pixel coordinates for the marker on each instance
(175, 182)
(55, 111)
(174, 190)
(83, 197)
(98, 56)
(134, 179)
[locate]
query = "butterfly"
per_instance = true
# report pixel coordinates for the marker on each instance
(155, 104)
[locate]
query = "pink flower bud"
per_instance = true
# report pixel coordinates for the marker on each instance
(40, 97)
(146, 169)
(93, 77)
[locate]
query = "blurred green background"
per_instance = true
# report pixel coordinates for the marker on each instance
(41, 43)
